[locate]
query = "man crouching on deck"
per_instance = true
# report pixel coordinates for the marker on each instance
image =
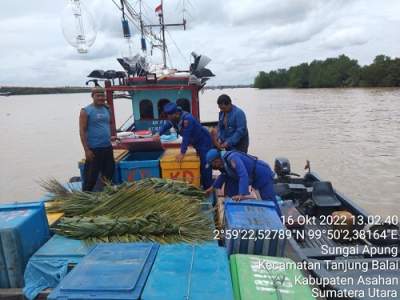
(238, 171)
(95, 133)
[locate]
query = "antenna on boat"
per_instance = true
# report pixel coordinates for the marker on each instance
(160, 11)
(183, 15)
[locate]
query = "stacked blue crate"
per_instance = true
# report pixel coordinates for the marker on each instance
(140, 165)
(253, 227)
(184, 271)
(23, 230)
(109, 271)
(51, 263)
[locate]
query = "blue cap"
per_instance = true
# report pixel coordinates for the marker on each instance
(212, 154)
(170, 108)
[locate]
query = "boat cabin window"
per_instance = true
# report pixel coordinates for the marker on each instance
(146, 109)
(161, 104)
(184, 104)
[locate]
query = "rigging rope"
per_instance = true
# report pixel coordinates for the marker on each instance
(179, 50)
(137, 16)
(137, 19)
(169, 57)
(134, 17)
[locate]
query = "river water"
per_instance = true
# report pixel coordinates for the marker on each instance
(351, 137)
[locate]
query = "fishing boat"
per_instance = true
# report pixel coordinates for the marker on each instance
(150, 89)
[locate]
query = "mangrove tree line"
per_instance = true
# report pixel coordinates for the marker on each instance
(334, 72)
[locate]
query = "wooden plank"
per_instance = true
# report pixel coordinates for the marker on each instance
(11, 294)
(17, 294)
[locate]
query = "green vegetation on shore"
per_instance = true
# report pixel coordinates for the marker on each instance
(334, 72)
(42, 90)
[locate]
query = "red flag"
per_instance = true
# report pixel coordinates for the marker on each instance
(158, 9)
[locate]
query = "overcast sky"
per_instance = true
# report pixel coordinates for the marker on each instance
(241, 37)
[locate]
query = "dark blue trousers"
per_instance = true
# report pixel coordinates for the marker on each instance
(205, 173)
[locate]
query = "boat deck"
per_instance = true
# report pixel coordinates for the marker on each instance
(358, 265)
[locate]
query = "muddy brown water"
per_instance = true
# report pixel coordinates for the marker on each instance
(351, 137)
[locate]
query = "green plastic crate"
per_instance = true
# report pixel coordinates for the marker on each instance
(253, 278)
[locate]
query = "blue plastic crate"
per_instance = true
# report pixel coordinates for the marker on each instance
(253, 227)
(184, 271)
(116, 177)
(140, 165)
(109, 271)
(51, 263)
(23, 230)
(59, 247)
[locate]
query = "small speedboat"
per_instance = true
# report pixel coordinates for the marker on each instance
(347, 253)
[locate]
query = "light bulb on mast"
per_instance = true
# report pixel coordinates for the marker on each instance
(78, 26)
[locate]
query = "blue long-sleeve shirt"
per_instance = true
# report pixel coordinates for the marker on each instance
(236, 127)
(192, 132)
(240, 168)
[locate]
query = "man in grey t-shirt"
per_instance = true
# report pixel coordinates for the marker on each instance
(95, 133)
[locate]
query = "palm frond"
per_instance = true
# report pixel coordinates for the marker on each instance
(152, 209)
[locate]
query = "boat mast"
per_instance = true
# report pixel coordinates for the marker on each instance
(163, 26)
(164, 48)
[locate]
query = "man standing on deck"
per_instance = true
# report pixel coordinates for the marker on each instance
(232, 126)
(95, 133)
(192, 133)
(238, 171)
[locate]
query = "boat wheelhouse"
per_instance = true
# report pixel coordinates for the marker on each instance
(150, 94)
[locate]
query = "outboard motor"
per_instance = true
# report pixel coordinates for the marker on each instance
(282, 167)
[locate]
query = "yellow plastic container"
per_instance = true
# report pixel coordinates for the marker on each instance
(119, 154)
(188, 170)
(53, 218)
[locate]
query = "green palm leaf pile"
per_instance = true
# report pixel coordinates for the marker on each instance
(173, 186)
(152, 209)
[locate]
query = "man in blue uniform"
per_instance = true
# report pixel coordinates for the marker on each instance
(192, 133)
(232, 126)
(238, 171)
(95, 133)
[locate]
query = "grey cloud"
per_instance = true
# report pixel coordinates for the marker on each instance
(35, 32)
(252, 59)
(11, 9)
(107, 18)
(345, 38)
(291, 34)
(241, 37)
(207, 12)
(319, 16)
(269, 12)
(34, 70)
(106, 50)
